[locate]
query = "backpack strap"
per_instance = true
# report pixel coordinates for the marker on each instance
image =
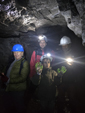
(35, 55)
(21, 65)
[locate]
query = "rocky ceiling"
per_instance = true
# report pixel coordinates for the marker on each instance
(21, 16)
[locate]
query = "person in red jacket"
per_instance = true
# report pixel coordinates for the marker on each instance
(36, 55)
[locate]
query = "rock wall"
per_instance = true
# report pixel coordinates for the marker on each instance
(5, 49)
(18, 16)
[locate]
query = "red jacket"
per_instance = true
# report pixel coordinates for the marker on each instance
(34, 59)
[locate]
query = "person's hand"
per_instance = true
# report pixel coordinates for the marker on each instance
(2, 73)
(63, 69)
(38, 67)
(58, 70)
(39, 70)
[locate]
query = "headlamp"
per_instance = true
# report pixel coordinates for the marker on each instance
(40, 37)
(69, 61)
(48, 54)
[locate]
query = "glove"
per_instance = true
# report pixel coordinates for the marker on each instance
(58, 70)
(38, 67)
(63, 69)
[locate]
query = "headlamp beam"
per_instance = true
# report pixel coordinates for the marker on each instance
(69, 60)
(40, 37)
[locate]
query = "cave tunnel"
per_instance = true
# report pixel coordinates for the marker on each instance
(21, 22)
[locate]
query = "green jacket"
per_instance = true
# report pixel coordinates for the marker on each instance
(18, 82)
(47, 84)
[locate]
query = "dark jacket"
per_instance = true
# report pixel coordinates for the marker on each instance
(18, 82)
(47, 82)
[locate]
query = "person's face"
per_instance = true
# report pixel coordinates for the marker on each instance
(65, 47)
(42, 44)
(46, 63)
(18, 55)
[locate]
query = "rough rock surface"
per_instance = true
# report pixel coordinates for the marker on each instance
(23, 15)
(20, 16)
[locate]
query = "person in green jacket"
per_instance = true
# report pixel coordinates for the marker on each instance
(47, 85)
(16, 72)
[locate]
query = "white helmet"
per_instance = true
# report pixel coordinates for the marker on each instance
(48, 55)
(65, 40)
(42, 37)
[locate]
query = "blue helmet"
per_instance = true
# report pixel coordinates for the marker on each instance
(17, 47)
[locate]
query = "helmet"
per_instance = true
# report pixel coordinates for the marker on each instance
(17, 47)
(65, 40)
(42, 37)
(48, 55)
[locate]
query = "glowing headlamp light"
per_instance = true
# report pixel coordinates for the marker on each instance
(40, 37)
(69, 60)
(48, 54)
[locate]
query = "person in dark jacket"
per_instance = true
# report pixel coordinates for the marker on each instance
(16, 72)
(67, 88)
(47, 85)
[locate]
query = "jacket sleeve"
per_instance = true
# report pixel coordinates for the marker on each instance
(32, 65)
(36, 79)
(4, 69)
(23, 76)
(56, 78)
